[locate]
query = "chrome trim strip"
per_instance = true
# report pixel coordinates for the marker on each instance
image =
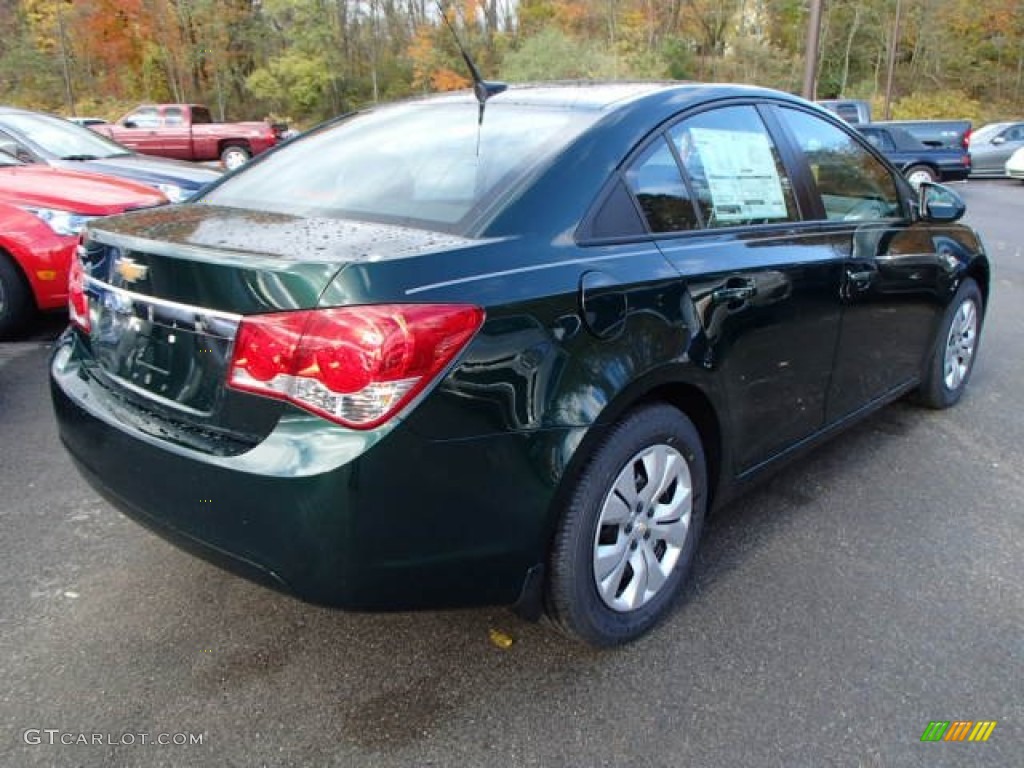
(166, 303)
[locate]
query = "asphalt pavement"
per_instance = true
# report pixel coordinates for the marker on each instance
(833, 613)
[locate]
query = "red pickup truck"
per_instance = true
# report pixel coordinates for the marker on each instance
(187, 132)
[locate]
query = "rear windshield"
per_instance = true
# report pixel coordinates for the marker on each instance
(427, 165)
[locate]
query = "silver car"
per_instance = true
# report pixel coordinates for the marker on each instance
(992, 145)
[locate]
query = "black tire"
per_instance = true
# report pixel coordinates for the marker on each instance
(573, 600)
(921, 171)
(941, 387)
(16, 305)
(230, 155)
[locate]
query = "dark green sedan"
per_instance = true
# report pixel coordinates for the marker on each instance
(427, 357)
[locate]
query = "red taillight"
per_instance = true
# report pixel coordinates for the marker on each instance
(78, 302)
(967, 139)
(357, 366)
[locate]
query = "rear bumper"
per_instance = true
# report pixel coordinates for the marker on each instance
(407, 523)
(955, 173)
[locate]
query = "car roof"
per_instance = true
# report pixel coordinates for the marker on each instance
(603, 96)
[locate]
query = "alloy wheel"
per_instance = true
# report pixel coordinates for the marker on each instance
(960, 345)
(645, 518)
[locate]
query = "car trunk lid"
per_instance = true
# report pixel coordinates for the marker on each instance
(167, 290)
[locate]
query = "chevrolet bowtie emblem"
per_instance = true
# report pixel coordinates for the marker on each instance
(129, 270)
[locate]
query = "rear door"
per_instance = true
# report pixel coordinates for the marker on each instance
(890, 287)
(764, 288)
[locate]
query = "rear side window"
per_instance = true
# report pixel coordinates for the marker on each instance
(659, 188)
(852, 183)
(734, 168)
(173, 116)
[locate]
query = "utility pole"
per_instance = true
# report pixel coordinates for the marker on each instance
(811, 52)
(891, 67)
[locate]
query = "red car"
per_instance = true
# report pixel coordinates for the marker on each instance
(42, 211)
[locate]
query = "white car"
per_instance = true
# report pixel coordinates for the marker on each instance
(1015, 165)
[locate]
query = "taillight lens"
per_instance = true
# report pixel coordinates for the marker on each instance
(967, 139)
(78, 302)
(357, 366)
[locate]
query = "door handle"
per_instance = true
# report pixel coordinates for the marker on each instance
(734, 290)
(861, 275)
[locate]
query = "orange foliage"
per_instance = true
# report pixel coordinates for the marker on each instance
(447, 80)
(113, 33)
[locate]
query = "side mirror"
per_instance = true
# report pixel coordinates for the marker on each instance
(998, 140)
(938, 203)
(130, 124)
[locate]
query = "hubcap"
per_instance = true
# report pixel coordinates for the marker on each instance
(963, 337)
(917, 177)
(234, 160)
(643, 525)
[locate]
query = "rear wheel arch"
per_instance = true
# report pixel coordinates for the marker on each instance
(240, 143)
(686, 397)
(980, 273)
(697, 406)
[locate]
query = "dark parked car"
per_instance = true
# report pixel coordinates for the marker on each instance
(416, 360)
(915, 160)
(34, 137)
(954, 134)
(992, 146)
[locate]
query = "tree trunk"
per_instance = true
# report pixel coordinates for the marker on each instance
(849, 47)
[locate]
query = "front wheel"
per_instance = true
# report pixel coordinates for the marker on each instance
(16, 305)
(630, 529)
(952, 359)
(234, 156)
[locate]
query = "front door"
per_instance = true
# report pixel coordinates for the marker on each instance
(891, 271)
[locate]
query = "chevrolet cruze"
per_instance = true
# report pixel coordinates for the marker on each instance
(433, 354)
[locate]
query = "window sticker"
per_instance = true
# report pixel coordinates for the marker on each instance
(741, 175)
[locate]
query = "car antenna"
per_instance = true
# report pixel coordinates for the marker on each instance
(482, 89)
